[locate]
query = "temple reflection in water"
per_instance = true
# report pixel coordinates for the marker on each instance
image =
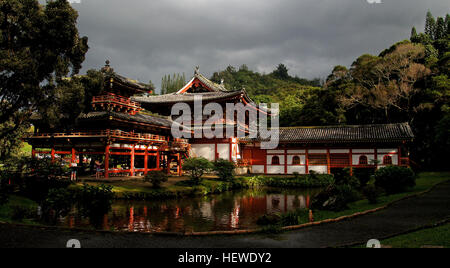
(231, 211)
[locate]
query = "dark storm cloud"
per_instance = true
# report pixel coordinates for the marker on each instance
(147, 39)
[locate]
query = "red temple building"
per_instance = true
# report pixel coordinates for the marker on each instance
(130, 131)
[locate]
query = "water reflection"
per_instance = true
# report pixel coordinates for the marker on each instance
(230, 211)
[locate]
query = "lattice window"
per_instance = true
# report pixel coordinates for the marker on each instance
(318, 160)
(363, 160)
(387, 160)
(296, 160)
(275, 160)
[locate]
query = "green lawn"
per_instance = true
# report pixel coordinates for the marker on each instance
(434, 237)
(6, 211)
(424, 182)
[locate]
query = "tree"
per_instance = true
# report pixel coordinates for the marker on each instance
(39, 45)
(430, 25)
(197, 167)
(414, 34)
(225, 169)
(156, 178)
(72, 97)
(389, 82)
(282, 72)
(172, 83)
(441, 30)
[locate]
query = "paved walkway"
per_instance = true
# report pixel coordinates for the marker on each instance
(403, 216)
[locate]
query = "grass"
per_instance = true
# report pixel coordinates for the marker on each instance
(435, 237)
(6, 211)
(138, 189)
(425, 181)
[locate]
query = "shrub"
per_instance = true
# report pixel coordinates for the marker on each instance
(225, 169)
(95, 202)
(19, 213)
(343, 177)
(197, 167)
(364, 175)
(58, 203)
(371, 192)
(156, 178)
(4, 197)
(335, 198)
(37, 188)
(268, 219)
(395, 179)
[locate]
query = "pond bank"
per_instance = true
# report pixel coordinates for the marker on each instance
(177, 188)
(402, 217)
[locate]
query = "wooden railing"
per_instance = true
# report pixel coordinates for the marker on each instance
(103, 133)
(112, 98)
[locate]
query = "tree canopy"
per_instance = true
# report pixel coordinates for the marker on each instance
(39, 46)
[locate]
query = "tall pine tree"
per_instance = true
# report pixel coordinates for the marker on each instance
(430, 25)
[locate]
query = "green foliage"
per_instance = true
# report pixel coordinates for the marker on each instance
(172, 83)
(225, 169)
(39, 45)
(4, 191)
(395, 179)
(306, 181)
(19, 213)
(58, 202)
(197, 167)
(372, 193)
(94, 202)
(364, 175)
(269, 219)
(156, 178)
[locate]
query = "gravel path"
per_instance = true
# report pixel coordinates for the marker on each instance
(403, 216)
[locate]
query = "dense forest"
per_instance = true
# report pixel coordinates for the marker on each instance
(408, 82)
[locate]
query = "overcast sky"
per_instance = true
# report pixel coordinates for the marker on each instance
(145, 39)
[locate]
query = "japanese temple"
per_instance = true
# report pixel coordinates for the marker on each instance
(129, 130)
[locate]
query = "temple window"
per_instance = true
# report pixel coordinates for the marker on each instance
(387, 160)
(296, 160)
(275, 160)
(363, 160)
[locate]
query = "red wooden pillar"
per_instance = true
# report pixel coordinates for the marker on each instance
(231, 149)
(328, 161)
(376, 159)
(146, 161)
(307, 162)
(180, 171)
(158, 158)
(33, 153)
(285, 162)
(107, 161)
(74, 155)
(351, 162)
(399, 156)
(53, 154)
(133, 150)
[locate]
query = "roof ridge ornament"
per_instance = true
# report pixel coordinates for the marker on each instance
(197, 70)
(107, 67)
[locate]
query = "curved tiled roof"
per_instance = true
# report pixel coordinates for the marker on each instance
(346, 134)
(187, 97)
(139, 118)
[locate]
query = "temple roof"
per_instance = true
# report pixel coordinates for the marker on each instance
(130, 84)
(139, 118)
(347, 134)
(187, 97)
(213, 87)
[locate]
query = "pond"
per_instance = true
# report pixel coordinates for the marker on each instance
(230, 211)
